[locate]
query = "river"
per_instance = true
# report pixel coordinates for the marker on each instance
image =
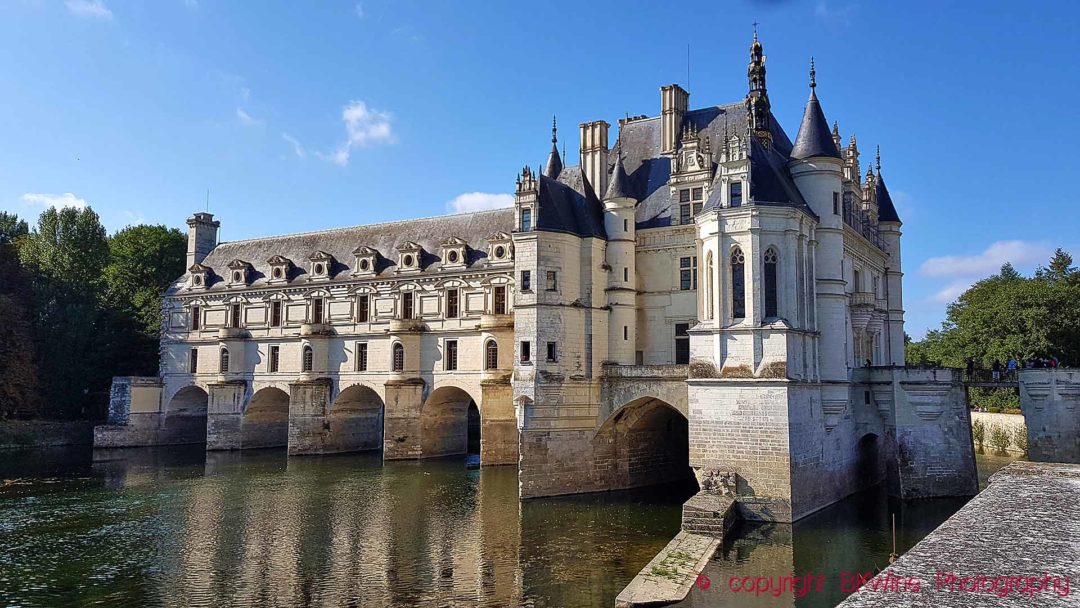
(176, 526)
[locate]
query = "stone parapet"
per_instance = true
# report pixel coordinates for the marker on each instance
(1050, 399)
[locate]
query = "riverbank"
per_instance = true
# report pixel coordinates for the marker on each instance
(21, 434)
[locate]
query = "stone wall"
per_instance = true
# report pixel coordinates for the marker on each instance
(138, 417)
(1050, 399)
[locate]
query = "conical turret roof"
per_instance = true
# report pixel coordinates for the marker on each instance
(886, 209)
(554, 162)
(619, 184)
(814, 139)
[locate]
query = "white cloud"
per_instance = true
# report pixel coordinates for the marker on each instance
(479, 201)
(951, 291)
(246, 119)
(1018, 253)
(359, 10)
(364, 126)
(95, 9)
(59, 201)
(134, 217)
(298, 148)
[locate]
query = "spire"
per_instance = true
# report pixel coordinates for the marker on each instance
(554, 162)
(619, 186)
(757, 99)
(814, 139)
(877, 160)
(886, 209)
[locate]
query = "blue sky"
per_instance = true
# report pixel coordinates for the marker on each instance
(300, 116)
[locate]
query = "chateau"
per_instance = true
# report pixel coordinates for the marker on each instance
(698, 296)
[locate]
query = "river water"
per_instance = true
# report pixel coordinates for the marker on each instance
(179, 527)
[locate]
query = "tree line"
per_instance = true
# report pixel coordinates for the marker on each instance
(77, 307)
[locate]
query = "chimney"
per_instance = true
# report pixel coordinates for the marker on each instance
(673, 104)
(594, 155)
(202, 237)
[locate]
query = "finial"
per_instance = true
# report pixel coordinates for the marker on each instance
(813, 74)
(877, 159)
(553, 129)
(755, 31)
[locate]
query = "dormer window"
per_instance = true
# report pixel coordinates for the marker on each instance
(366, 262)
(526, 220)
(500, 248)
(321, 265)
(409, 256)
(239, 271)
(279, 269)
(454, 253)
(199, 276)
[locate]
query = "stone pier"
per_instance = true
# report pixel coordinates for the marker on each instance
(1050, 399)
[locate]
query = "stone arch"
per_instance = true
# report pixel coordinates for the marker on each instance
(444, 422)
(647, 440)
(265, 422)
(869, 466)
(185, 415)
(355, 420)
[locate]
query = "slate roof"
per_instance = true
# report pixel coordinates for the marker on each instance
(474, 228)
(619, 183)
(554, 163)
(814, 138)
(567, 205)
(886, 209)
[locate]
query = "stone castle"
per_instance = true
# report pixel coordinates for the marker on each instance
(703, 299)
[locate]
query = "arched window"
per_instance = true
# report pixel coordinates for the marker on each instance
(491, 355)
(399, 357)
(770, 283)
(309, 358)
(223, 364)
(738, 284)
(709, 286)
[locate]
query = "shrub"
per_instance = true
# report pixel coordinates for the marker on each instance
(978, 432)
(1020, 438)
(999, 439)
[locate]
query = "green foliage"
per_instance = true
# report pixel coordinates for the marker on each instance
(1020, 438)
(143, 261)
(19, 382)
(1007, 316)
(978, 433)
(11, 228)
(997, 400)
(67, 249)
(999, 439)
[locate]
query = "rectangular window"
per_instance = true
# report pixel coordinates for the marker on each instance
(451, 355)
(407, 305)
(526, 351)
(451, 304)
(317, 310)
(696, 208)
(625, 332)
(552, 281)
(626, 225)
(193, 361)
(526, 220)
(684, 214)
(688, 273)
(500, 300)
(684, 195)
(194, 318)
(275, 358)
(275, 313)
(682, 343)
(874, 284)
(735, 194)
(363, 308)
(361, 356)
(526, 280)
(696, 194)
(552, 353)
(639, 357)
(234, 318)
(625, 274)
(836, 203)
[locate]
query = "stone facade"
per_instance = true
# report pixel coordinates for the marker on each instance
(1050, 399)
(704, 296)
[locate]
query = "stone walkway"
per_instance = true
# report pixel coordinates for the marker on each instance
(670, 575)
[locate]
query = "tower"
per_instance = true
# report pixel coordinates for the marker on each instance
(554, 162)
(202, 237)
(621, 289)
(889, 224)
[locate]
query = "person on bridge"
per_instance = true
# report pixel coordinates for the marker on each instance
(996, 369)
(1011, 365)
(970, 368)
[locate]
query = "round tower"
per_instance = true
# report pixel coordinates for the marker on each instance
(619, 206)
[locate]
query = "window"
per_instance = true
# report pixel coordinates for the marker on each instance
(361, 356)
(857, 281)
(451, 355)
(526, 280)
(735, 194)
(223, 362)
(407, 305)
(697, 208)
(551, 352)
(682, 343)
(500, 300)
(626, 225)
(193, 361)
(770, 283)
(696, 193)
(874, 283)
(688, 273)
(526, 220)
(836, 203)
(308, 359)
(275, 358)
(526, 351)
(491, 355)
(195, 313)
(552, 281)
(625, 274)
(684, 214)
(625, 332)
(363, 308)
(234, 316)
(709, 286)
(399, 357)
(317, 310)
(738, 284)
(275, 313)
(452, 303)
(684, 195)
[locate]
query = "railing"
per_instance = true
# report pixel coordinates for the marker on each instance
(863, 298)
(989, 376)
(860, 222)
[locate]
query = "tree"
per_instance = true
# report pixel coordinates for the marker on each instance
(68, 248)
(19, 387)
(1061, 265)
(11, 228)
